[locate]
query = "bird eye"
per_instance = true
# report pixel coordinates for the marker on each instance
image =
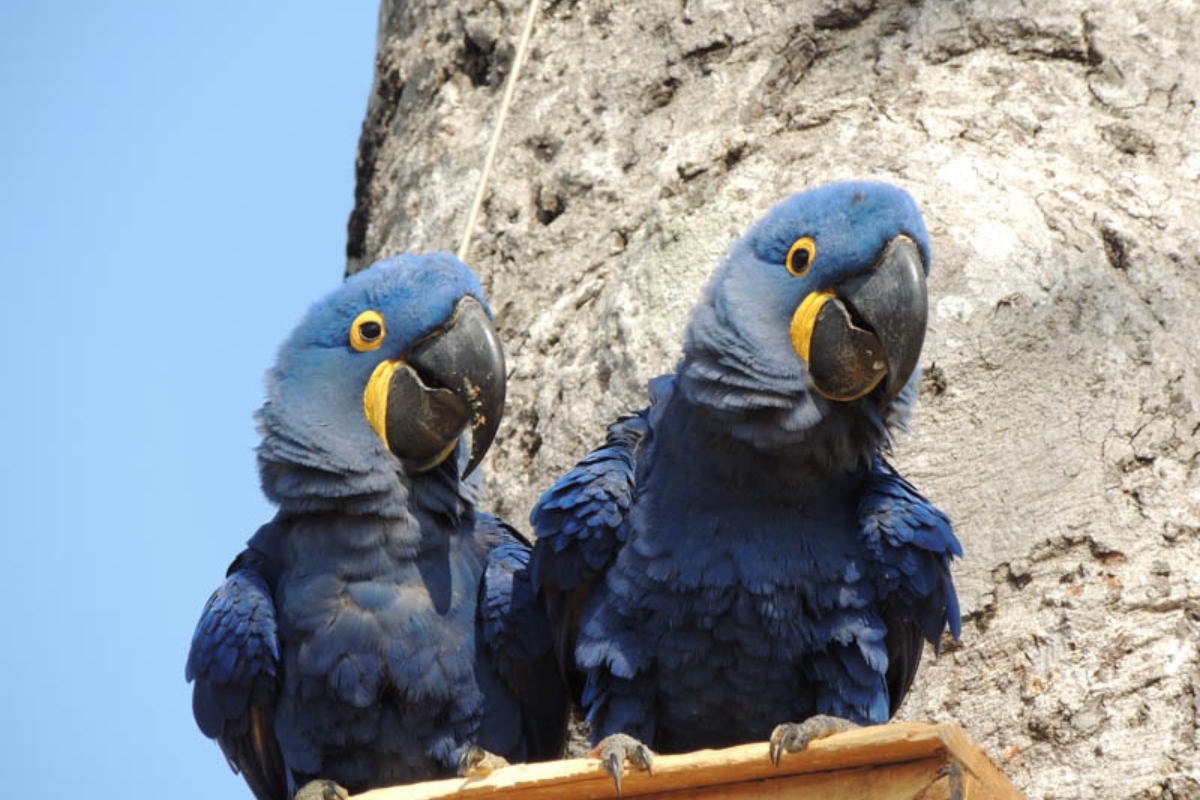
(801, 255)
(366, 332)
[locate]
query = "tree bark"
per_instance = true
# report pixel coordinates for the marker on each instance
(1054, 149)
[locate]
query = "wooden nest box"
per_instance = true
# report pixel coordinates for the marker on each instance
(900, 761)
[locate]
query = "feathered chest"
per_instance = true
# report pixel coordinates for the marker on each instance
(733, 612)
(367, 607)
(697, 560)
(714, 515)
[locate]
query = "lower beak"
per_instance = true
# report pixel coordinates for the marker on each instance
(449, 383)
(867, 330)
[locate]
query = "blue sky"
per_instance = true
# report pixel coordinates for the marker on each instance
(175, 181)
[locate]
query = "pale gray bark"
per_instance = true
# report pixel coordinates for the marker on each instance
(1054, 149)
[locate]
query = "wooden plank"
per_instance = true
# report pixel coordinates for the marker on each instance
(859, 749)
(944, 788)
(906, 781)
(982, 778)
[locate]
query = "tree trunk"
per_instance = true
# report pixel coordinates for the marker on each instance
(1054, 149)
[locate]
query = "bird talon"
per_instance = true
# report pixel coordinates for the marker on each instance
(475, 762)
(615, 750)
(321, 789)
(794, 737)
(614, 766)
(643, 757)
(773, 749)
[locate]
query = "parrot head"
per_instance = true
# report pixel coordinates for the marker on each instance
(402, 358)
(819, 309)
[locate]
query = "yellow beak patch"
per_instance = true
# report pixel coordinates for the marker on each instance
(375, 399)
(375, 408)
(805, 319)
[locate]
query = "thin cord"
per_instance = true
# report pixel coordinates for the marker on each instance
(510, 86)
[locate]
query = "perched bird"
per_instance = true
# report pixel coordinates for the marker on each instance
(738, 561)
(379, 630)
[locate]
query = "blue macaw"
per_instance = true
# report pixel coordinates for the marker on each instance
(379, 630)
(738, 561)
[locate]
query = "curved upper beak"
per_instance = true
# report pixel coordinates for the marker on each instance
(450, 382)
(868, 329)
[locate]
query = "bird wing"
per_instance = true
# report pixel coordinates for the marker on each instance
(912, 543)
(579, 525)
(234, 664)
(516, 634)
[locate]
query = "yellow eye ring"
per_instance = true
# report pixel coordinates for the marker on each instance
(800, 256)
(367, 331)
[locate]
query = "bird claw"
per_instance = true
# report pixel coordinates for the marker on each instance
(475, 762)
(793, 737)
(613, 751)
(321, 789)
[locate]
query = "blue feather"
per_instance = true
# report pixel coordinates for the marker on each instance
(379, 625)
(738, 554)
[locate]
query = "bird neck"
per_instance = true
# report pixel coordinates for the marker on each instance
(716, 443)
(303, 471)
(747, 386)
(797, 433)
(359, 548)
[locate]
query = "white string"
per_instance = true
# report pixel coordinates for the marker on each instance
(510, 86)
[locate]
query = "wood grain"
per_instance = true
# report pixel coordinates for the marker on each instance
(885, 762)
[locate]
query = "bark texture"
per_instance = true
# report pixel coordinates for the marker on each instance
(1054, 148)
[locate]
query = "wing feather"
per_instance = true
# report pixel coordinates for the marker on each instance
(913, 543)
(234, 665)
(579, 523)
(516, 633)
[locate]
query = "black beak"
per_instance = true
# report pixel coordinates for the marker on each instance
(449, 382)
(871, 329)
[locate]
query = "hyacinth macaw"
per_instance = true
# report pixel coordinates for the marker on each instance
(738, 561)
(379, 630)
